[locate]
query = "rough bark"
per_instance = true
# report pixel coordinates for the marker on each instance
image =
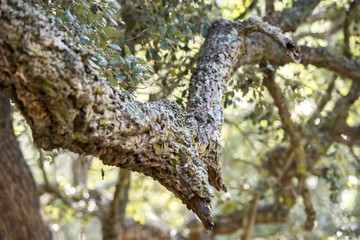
(20, 217)
(65, 110)
(262, 49)
(223, 48)
(67, 105)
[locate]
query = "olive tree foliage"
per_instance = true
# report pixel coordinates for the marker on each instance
(72, 72)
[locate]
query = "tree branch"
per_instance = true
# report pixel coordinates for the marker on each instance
(262, 49)
(336, 26)
(269, 8)
(80, 169)
(309, 209)
(267, 214)
(327, 97)
(353, 4)
(250, 217)
(323, 57)
(136, 230)
(68, 105)
(247, 10)
(288, 125)
(289, 19)
(73, 204)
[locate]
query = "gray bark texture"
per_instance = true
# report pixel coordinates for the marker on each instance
(20, 217)
(68, 106)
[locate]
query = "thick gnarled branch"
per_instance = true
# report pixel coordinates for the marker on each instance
(223, 50)
(69, 106)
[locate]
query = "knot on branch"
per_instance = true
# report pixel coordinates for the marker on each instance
(293, 51)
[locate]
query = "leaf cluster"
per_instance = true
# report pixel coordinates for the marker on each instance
(96, 26)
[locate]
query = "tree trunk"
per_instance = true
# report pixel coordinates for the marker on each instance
(113, 222)
(19, 204)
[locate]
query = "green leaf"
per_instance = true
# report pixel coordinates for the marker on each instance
(122, 60)
(114, 5)
(103, 37)
(68, 17)
(85, 40)
(91, 16)
(113, 46)
(171, 30)
(164, 45)
(141, 60)
(139, 79)
(127, 64)
(180, 17)
(134, 63)
(102, 61)
(76, 38)
(127, 50)
(271, 67)
(138, 69)
(111, 32)
(120, 78)
(93, 64)
(111, 78)
(146, 76)
(126, 92)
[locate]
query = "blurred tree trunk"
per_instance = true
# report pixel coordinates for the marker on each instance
(20, 216)
(112, 226)
(80, 170)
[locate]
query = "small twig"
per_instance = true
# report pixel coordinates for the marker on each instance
(296, 145)
(327, 97)
(353, 4)
(289, 126)
(309, 209)
(288, 161)
(336, 26)
(248, 9)
(269, 7)
(42, 168)
(53, 188)
(258, 168)
(135, 36)
(249, 219)
(357, 159)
